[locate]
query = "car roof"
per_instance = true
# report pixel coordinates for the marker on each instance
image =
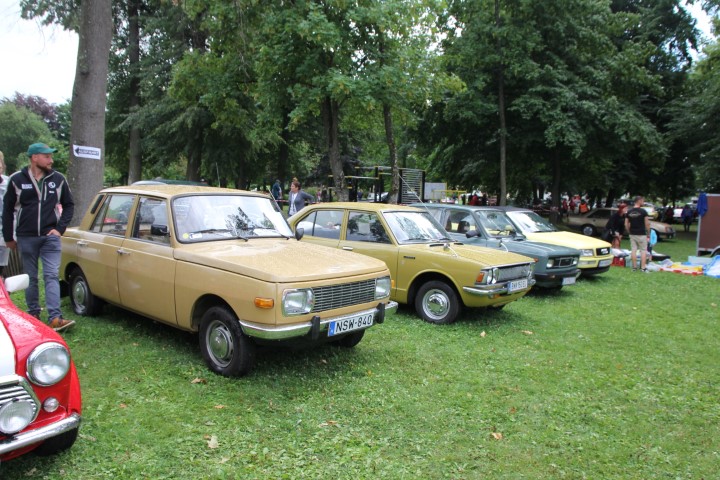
(369, 206)
(168, 191)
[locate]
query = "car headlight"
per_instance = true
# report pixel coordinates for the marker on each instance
(15, 416)
(382, 287)
(550, 263)
(586, 253)
(297, 302)
(48, 364)
(489, 276)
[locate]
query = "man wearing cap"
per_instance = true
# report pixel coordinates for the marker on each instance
(39, 201)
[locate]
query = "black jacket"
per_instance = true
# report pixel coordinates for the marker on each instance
(35, 212)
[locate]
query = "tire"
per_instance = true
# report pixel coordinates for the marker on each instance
(83, 302)
(351, 339)
(53, 445)
(588, 230)
(225, 348)
(437, 302)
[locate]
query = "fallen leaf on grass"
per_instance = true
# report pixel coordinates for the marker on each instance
(527, 332)
(329, 423)
(219, 406)
(323, 361)
(713, 304)
(198, 380)
(513, 410)
(31, 472)
(123, 405)
(212, 442)
(497, 435)
(482, 334)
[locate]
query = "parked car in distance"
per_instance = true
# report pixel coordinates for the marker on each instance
(595, 255)
(429, 270)
(593, 223)
(40, 400)
(555, 265)
(223, 263)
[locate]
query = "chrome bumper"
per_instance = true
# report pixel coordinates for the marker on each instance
(494, 289)
(16, 442)
(313, 327)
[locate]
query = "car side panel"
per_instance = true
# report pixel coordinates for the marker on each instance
(97, 253)
(389, 254)
(146, 277)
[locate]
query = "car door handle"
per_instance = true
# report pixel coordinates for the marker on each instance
(82, 243)
(122, 251)
(349, 249)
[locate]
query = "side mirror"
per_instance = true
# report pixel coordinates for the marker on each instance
(472, 233)
(299, 232)
(160, 230)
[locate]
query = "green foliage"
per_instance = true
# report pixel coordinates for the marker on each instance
(553, 386)
(19, 128)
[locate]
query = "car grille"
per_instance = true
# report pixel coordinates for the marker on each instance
(16, 389)
(338, 296)
(602, 251)
(513, 273)
(562, 262)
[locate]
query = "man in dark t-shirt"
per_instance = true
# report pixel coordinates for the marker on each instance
(637, 224)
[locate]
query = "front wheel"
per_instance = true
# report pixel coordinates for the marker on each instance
(53, 445)
(351, 339)
(437, 302)
(588, 230)
(225, 348)
(83, 302)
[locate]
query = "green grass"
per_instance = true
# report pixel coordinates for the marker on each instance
(615, 377)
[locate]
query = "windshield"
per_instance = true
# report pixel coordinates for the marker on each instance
(414, 227)
(202, 218)
(496, 223)
(531, 222)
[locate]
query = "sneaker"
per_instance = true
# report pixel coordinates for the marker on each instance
(644, 270)
(36, 315)
(634, 269)
(59, 324)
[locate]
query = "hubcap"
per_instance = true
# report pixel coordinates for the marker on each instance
(220, 343)
(79, 294)
(436, 304)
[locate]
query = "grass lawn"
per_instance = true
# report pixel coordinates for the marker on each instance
(615, 377)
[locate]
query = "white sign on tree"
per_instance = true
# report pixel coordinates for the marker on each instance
(86, 152)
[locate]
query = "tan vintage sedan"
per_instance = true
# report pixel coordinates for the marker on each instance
(223, 263)
(429, 270)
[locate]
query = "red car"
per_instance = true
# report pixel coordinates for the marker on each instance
(40, 402)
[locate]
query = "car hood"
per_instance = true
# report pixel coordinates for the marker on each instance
(279, 261)
(526, 247)
(569, 239)
(485, 256)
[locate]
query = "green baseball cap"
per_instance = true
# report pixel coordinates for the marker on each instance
(39, 148)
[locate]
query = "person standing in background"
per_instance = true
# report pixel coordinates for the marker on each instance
(637, 224)
(4, 251)
(37, 208)
(297, 198)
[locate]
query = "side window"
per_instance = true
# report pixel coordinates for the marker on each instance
(365, 227)
(460, 222)
(323, 223)
(112, 217)
(151, 220)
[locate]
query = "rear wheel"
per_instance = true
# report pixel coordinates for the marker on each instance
(225, 348)
(437, 302)
(83, 301)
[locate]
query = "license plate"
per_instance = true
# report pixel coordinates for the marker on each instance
(568, 281)
(517, 285)
(605, 263)
(349, 324)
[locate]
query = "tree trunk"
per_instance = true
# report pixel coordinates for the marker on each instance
(555, 191)
(195, 150)
(501, 112)
(85, 175)
(331, 121)
(283, 160)
(394, 195)
(135, 160)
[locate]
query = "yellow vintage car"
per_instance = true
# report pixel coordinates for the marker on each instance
(595, 254)
(223, 263)
(429, 270)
